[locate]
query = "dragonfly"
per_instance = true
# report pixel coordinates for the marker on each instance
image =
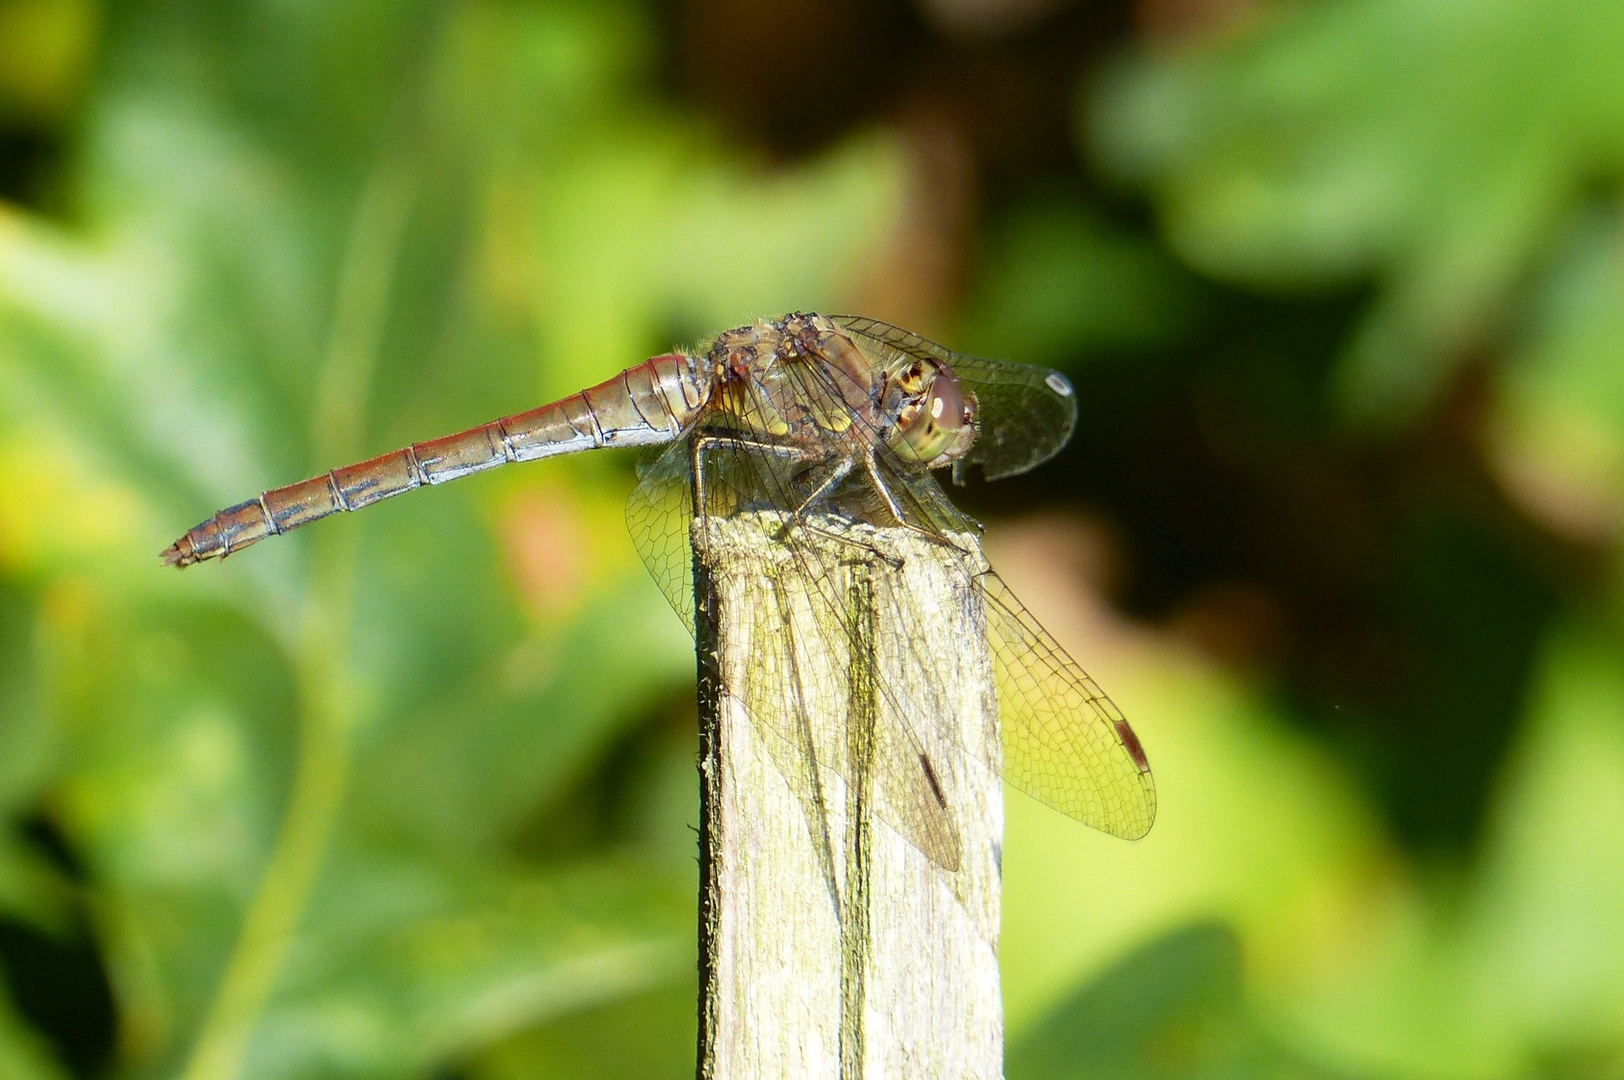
(826, 425)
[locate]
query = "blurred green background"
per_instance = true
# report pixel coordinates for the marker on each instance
(1340, 282)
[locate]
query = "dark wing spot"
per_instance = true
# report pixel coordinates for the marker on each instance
(1131, 742)
(935, 784)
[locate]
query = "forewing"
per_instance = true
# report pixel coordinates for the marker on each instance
(1026, 413)
(802, 632)
(808, 645)
(1065, 743)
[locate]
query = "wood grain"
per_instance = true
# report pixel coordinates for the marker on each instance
(830, 945)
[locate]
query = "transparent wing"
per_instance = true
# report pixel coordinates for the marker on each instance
(659, 515)
(1026, 413)
(1064, 741)
(803, 636)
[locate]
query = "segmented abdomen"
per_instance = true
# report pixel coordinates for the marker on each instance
(643, 405)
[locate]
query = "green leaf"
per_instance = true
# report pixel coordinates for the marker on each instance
(1172, 1009)
(31, 888)
(463, 771)
(1432, 147)
(1551, 945)
(651, 1036)
(1059, 282)
(408, 965)
(23, 1053)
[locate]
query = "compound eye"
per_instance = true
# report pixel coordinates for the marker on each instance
(940, 426)
(949, 410)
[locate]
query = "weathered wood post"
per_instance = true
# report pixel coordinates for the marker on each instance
(831, 946)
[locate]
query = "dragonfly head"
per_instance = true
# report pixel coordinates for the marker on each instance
(937, 422)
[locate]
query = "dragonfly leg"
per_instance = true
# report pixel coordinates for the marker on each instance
(801, 520)
(841, 470)
(863, 545)
(703, 442)
(873, 470)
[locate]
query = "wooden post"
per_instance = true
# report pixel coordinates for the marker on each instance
(830, 946)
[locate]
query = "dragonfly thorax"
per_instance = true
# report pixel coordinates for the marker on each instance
(798, 379)
(802, 379)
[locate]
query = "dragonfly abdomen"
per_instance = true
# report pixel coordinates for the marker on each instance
(644, 405)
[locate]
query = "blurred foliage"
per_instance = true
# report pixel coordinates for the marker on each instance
(328, 812)
(1432, 146)
(1173, 1009)
(1340, 283)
